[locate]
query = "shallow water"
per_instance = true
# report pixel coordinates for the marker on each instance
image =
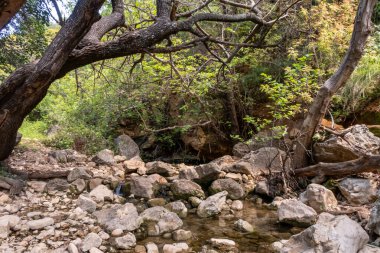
(264, 221)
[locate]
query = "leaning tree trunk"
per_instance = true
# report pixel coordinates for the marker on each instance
(9, 8)
(26, 87)
(362, 29)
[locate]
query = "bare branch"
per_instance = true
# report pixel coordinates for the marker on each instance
(189, 13)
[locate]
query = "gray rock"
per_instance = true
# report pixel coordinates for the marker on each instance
(358, 191)
(234, 189)
(296, 213)
(101, 193)
(133, 166)
(194, 201)
(262, 188)
(180, 247)
(356, 142)
(338, 234)
(243, 226)
(92, 240)
(4, 228)
(57, 184)
(177, 207)
(319, 197)
(41, 223)
(125, 242)
(162, 219)
(369, 249)
(18, 138)
(104, 157)
(207, 173)
(124, 217)
(223, 245)
(373, 224)
(95, 250)
(144, 187)
(184, 189)
(212, 205)
(79, 173)
(86, 204)
(38, 186)
(161, 168)
(72, 248)
(181, 235)
(127, 147)
(240, 149)
(78, 186)
(13, 220)
(237, 205)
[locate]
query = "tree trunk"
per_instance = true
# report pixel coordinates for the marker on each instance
(26, 87)
(9, 8)
(362, 29)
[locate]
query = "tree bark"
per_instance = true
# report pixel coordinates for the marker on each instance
(9, 8)
(24, 89)
(317, 110)
(360, 165)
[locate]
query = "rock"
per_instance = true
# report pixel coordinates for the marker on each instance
(156, 202)
(243, 226)
(222, 244)
(37, 186)
(117, 232)
(338, 234)
(181, 235)
(13, 220)
(188, 173)
(240, 149)
(234, 189)
(79, 173)
(235, 176)
(57, 184)
(18, 138)
(104, 157)
(264, 161)
(92, 240)
(72, 248)
(78, 186)
(207, 173)
(127, 147)
(124, 217)
(125, 242)
(4, 228)
(296, 213)
(143, 187)
(262, 188)
(86, 204)
(369, 249)
(180, 247)
(133, 166)
(358, 191)
(162, 219)
(119, 158)
(319, 197)
(95, 250)
(151, 247)
(177, 207)
(356, 142)
(140, 249)
(161, 168)
(94, 182)
(212, 205)
(373, 224)
(59, 155)
(237, 205)
(41, 223)
(194, 201)
(101, 193)
(184, 189)
(41, 247)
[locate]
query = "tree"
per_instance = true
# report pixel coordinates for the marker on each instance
(362, 29)
(8, 9)
(79, 42)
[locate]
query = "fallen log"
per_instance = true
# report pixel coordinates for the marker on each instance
(367, 163)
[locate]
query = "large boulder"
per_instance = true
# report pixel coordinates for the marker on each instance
(358, 191)
(143, 187)
(338, 234)
(184, 189)
(212, 205)
(126, 146)
(203, 174)
(234, 189)
(357, 141)
(319, 197)
(296, 213)
(101, 193)
(261, 162)
(160, 220)
(124, 217)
